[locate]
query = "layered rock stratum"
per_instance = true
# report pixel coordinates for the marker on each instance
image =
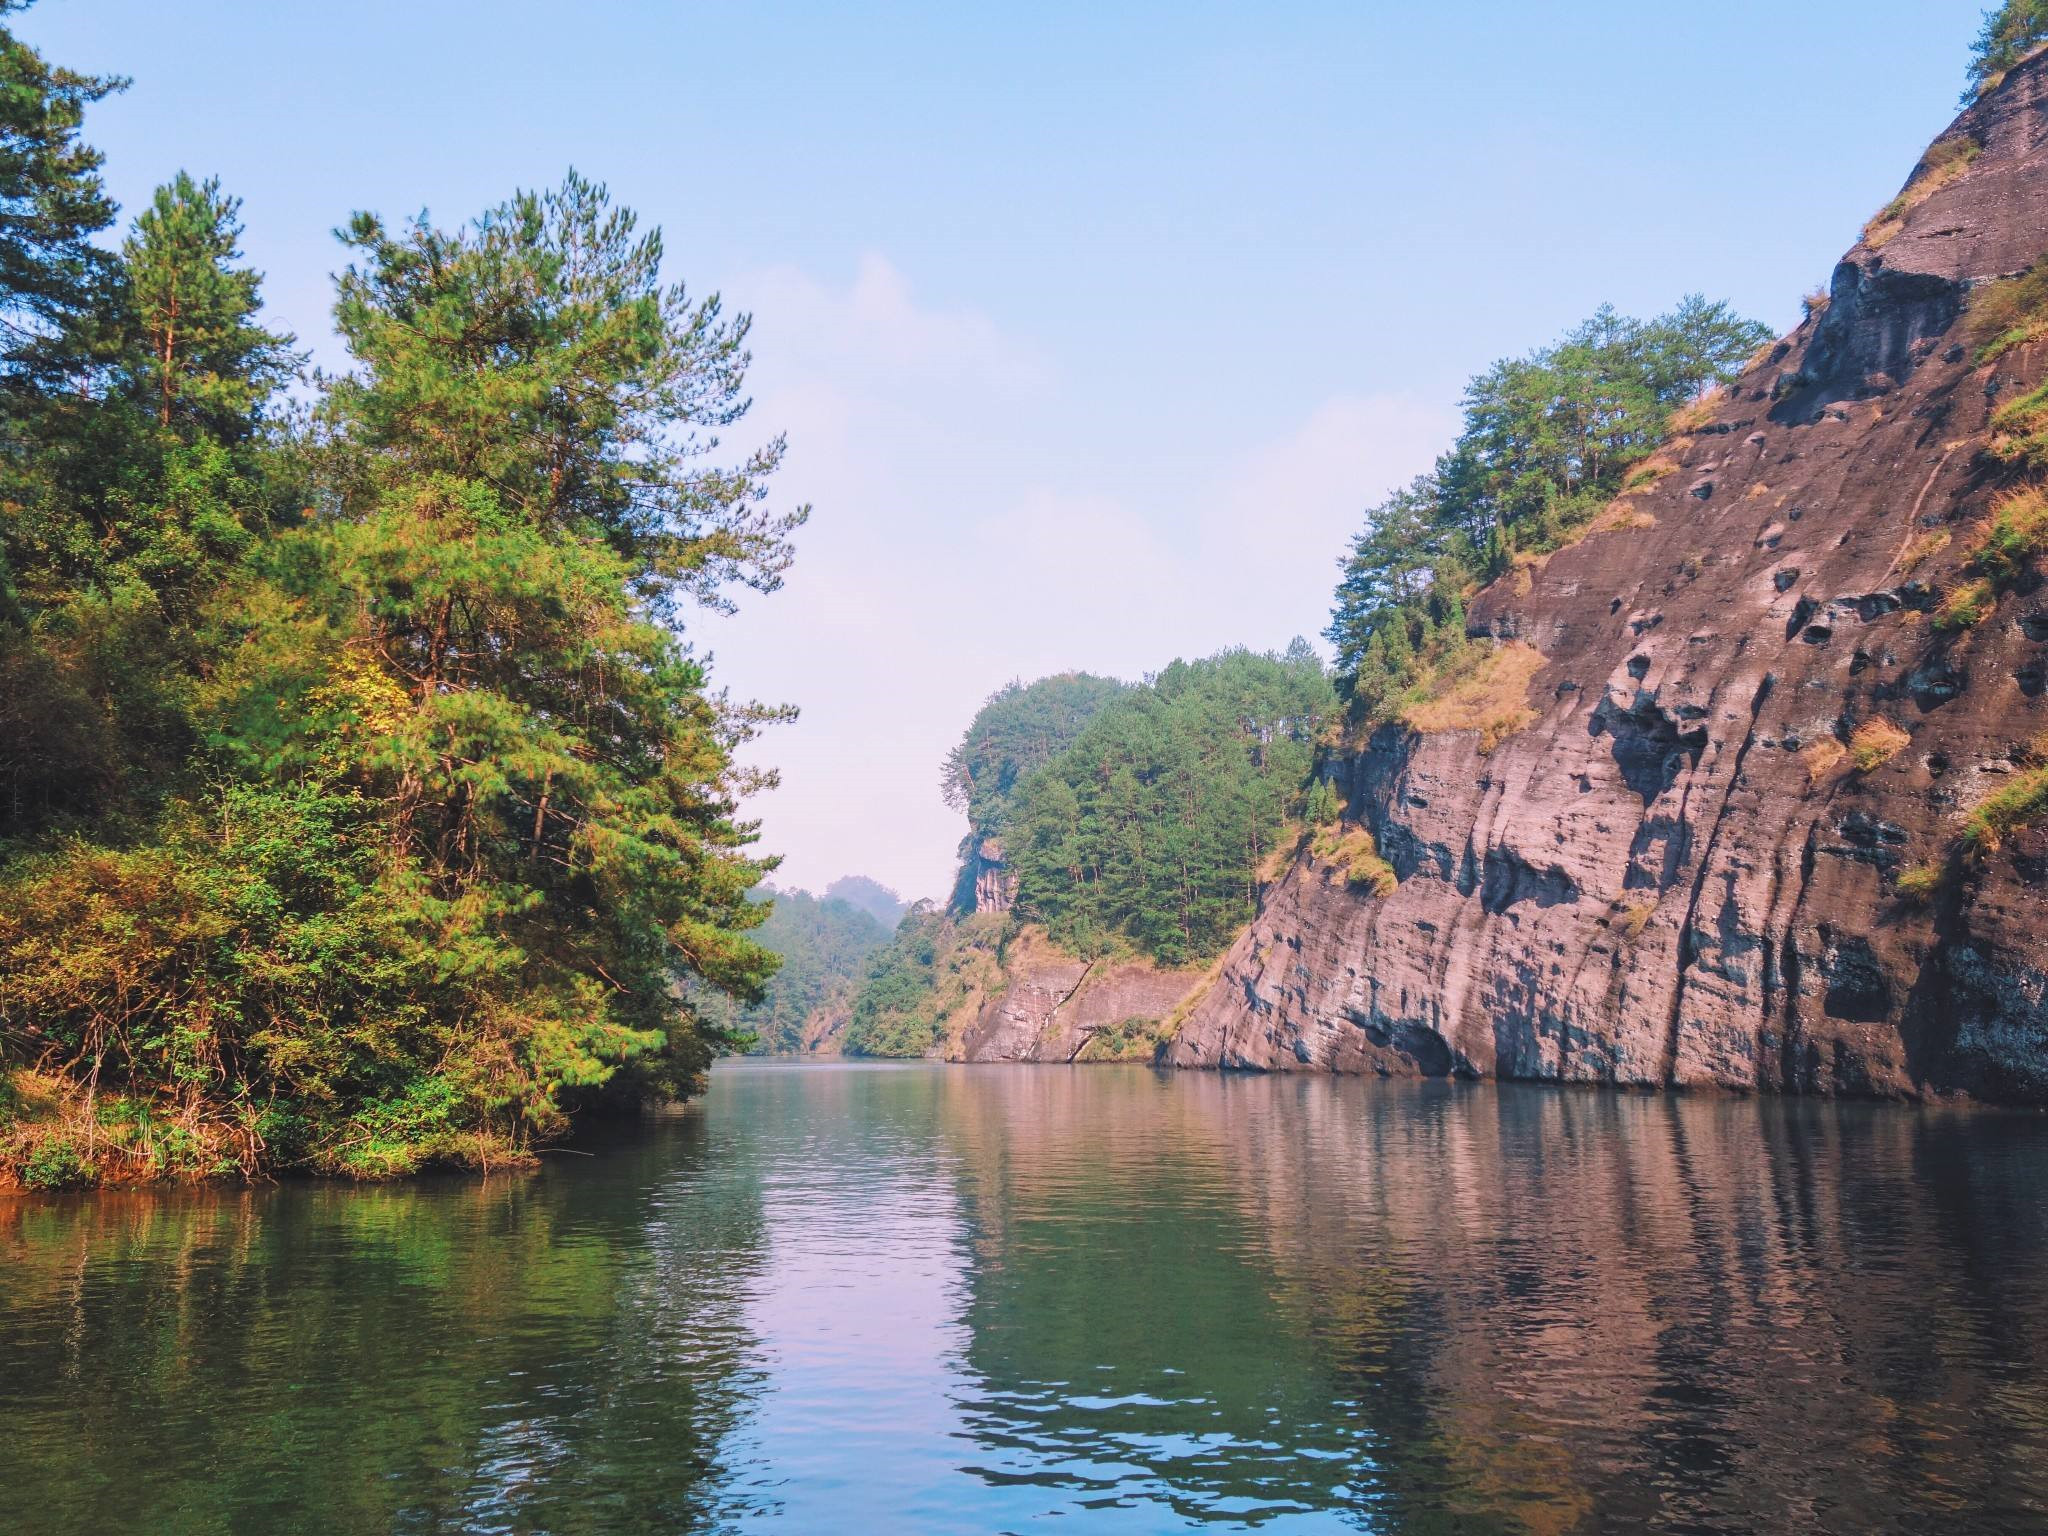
(1662, 881)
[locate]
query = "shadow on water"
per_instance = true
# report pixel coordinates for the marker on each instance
(970, 1299)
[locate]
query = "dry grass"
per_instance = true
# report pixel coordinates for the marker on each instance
(1691, 417)
(1876, 742)
(1634, 918)
(1963, 603)
(2009, 314)
(1620, 514)
(1923, 549)
(1489, 695)
(1523, 573)
(2019, 804)
(1816, 302)
(1822, 758)
(1359, 855)
(1944, 161)
(1648, 473)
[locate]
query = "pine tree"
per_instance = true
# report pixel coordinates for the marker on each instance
(52, 203)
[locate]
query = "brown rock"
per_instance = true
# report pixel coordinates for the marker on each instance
(1649, 885)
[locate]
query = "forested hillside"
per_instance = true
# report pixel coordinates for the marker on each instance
(1549, 441)
(361, 802)
(1136, 820)
(822, 945)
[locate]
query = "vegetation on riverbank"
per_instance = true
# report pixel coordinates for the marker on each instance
(360, 802)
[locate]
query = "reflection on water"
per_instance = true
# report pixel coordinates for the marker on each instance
(970, 1299)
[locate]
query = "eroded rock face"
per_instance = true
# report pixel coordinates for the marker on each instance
(1650, 885)
(1055, 1004)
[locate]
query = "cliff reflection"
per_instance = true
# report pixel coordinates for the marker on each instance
(1515, 1310)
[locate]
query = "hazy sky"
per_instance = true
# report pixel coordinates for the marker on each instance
(1093, 327)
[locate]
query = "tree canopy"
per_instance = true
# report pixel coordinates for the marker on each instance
(362, 801)
(1152, 827)
(822, 945)
(2010, 34)
(1548, 440)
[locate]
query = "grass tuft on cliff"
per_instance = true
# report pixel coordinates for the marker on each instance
(1875, 743)
(1944, 162)
(2021, 803)
(2009, 314)
(1359, 855)
(1485, 688)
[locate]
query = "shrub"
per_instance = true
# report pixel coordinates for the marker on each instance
(2017, 530)
(1918, 884)
(1875, 743)
(1356, 851)
(55, 1164)
(1944, 161)
(2019, 431)
(1370, 871)
(2018, 805)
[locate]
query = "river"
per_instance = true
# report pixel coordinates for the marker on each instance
(978, 1299)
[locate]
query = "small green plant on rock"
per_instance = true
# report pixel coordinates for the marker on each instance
(2021, 803)
(2009, 314)
(1918, 884)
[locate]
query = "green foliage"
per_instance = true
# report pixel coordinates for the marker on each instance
(1548, 440)
(1019, 729)
(823, 945)
(1324, 805)
(2020, 803)
(1151, 828)
(2010, 34)
(1918, 884)
(55, 1165)
(2008, 314)
(922, 978)
(51, 205)
(393, 830)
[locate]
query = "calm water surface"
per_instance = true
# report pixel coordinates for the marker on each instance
(1092, 1300)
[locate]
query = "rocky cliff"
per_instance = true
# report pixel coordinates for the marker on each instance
(1679, 874)
(1055, 1007)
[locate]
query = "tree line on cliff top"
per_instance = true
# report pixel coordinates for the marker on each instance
(360, 802)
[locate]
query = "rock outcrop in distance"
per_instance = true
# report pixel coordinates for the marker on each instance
(1687, 870)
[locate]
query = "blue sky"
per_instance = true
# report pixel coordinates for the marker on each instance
(1093, 327)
